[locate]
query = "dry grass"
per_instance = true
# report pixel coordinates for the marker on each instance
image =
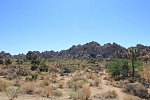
(3, 86)
(44, 83)
(85, 93)
(28, 88)
(61, 84)
(131, 97)
(47, 91)
(89, 75)
(97, 81)
(81, 83)
(57, 93)
(146, 73)
(106, 95)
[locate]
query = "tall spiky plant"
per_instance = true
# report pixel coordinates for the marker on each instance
(131, 54)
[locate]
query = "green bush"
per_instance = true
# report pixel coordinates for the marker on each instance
(67, 70)
(138, 65)
(19, 61)
(34, 67)
(91, 62)
(43, 68)
(1, 61)
(8, 61)
(118, 67)
(35, 62)
(34, 76)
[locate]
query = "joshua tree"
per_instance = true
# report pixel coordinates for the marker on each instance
(131, 54)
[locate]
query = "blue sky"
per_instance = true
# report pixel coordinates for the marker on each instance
(58, 24)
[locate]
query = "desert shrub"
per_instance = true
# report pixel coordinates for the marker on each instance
(54, 80)
(91, 62)
(8, 62)
(146, 74)
(44, 83)
(34, 67)
(89, 76)
(74, 85)
(17, 83)
(106, 95)
(3, 73)
(67, 70)
(61, 84)
(47, 91)
(138, 65)
(105, 78)
(1, 61)
(11, 76)
(57, 93)
(91, 83)
(131, 97)
(28, 88)
(80, 83)
(77, 78)
(118, 67)
(69, 83)
(35, 62)
(74, 95)
(34, 76)
(12, 93)
(111, 94)
(136, 89)
(43, 68)
(53, 77)
(96, 81)
(23, 71)
(28, 78)
(3, 86)
(19, 61)
(85, 93)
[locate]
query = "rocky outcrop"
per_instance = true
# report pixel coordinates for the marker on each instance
(93, 49)
(32, 55)
(20, 56)
(3, 54)
(86, 51)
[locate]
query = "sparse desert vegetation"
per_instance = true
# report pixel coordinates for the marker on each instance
(74, 79)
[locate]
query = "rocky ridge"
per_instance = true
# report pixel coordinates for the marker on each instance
(85, 51)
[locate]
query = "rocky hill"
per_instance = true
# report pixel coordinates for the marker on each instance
(86, 51)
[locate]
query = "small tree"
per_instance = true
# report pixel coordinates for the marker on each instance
(131, 54)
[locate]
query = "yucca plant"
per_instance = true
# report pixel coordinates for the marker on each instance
(131, 54)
